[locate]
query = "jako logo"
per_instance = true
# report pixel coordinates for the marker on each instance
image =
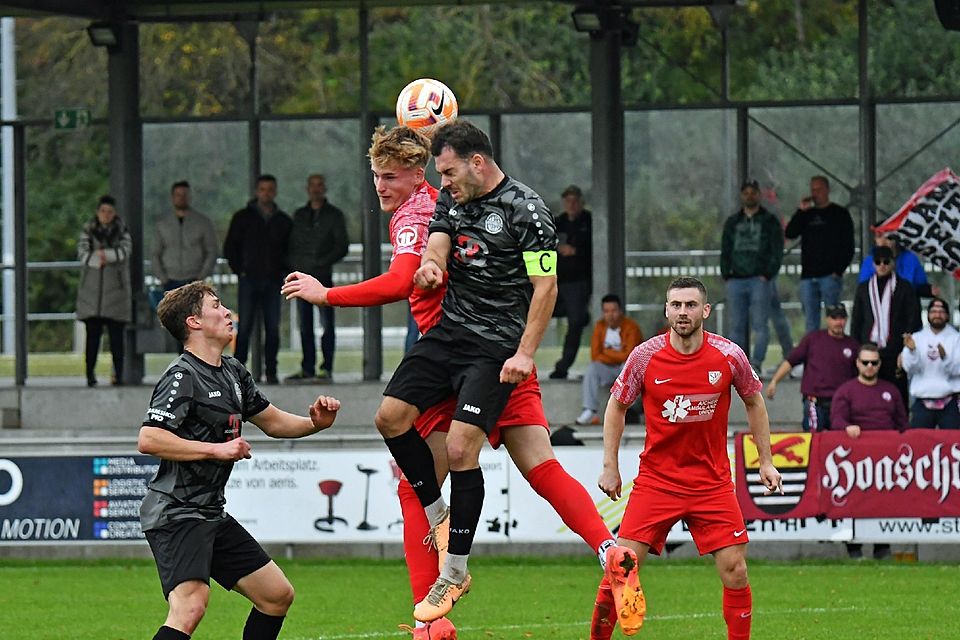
(214, 394)
(471, 409)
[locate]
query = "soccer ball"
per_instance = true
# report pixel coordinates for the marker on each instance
(425, 104)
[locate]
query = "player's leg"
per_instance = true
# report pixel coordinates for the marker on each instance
(421, 381)
(604, 619)
(737, 599)
(240, 564)
(716, 525)
(183, 551)
(187, 604)
(271, 594)
(529, 448)
(420, 550)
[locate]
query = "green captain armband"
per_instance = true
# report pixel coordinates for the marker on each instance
(540, 263)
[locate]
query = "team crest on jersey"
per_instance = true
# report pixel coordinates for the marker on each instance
(693, 408)
(493, 223)
(886, 396)
(713, 377)
(847, 352)
(406, 237)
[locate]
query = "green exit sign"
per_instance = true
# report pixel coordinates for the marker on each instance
(71, 119)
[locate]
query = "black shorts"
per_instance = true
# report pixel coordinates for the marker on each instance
(450, 360)
(200, 550)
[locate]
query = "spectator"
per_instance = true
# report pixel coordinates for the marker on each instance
(867, 403)
(574, 275)
(614, 337)
(256, 248)
(828, 358)
(104, 293)
(884, 308)
(826, 230)
(185, 244)
(930, 359)
(909, 267)
(318, 240)
(750, 256)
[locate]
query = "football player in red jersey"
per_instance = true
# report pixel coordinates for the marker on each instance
(684, 379)
(398, 158)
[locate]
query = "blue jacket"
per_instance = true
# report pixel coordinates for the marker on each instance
(908, 268)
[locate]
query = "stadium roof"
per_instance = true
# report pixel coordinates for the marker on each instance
(193, 10)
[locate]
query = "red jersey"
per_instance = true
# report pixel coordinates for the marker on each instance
(408, 236)
(686, 402)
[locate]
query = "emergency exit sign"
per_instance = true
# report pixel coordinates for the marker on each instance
(65, 119)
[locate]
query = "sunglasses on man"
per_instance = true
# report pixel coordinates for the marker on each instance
(870, 363)
(884, 261)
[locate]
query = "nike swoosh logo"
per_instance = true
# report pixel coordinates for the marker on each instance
(659, 381)
(737, 534)
(746, 615)
(439, 108)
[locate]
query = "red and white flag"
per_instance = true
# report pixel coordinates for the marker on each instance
(929, 223)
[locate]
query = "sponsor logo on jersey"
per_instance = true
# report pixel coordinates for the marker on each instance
(214, 394)
(713, 377)
(236, 390)
(493, 223)
(160, 414)
(692, 408)
(470, 251)
(406, 237)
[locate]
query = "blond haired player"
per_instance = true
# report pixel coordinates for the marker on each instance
(398, 158)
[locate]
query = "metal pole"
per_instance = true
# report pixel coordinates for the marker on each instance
(868, 134)
(372, 316)
(8, 111)
(126, 175)
(608, 157)
(20, 252)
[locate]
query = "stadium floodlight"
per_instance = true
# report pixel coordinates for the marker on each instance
(589, 19)
(104, 34)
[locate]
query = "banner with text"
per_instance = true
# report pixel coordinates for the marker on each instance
(929, 222)
(881, 474)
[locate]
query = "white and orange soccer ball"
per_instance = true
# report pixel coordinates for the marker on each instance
(425, 104)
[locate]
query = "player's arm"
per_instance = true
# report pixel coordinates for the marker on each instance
(614, 421)
(278, 423)
(542, 270)
(434, 261)
(759, 424)
(156, 441)
(396, 284)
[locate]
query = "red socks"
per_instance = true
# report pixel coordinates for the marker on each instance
(571, 502)
(604, 615)
(738, 612)
(421, 560)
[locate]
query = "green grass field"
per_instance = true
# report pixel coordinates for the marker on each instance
(511, 599)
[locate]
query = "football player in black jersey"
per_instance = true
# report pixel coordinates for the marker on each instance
(193, 426)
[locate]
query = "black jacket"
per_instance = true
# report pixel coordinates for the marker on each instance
(828, 243)
(318, 240)
(904, 316)
(257, 246)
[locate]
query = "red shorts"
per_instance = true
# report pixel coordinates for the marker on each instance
(524, 408)
(714, 518)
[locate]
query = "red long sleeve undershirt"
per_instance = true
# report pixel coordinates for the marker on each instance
(395, 284)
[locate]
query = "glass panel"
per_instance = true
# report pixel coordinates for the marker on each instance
(51, 51)
(547, 152)
(308, 62)
(66, 173)
(193, 69)
(680, 185)
(910, 53)
(794, 50)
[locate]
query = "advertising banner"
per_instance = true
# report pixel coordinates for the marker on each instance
(881, 474)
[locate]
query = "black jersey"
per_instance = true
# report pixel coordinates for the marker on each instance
(197, 401)
(489, 289)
